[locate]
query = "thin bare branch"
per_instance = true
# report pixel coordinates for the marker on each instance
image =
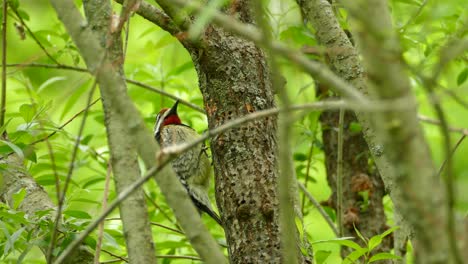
(339, 175)
(104, 205)
(156, 16)
(4, 55)
(452, 152)
(33, 35)
(320, 209)
(432, 121)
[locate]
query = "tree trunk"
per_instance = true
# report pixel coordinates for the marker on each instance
(363, 188)
(234, 81)
(133, 210)
(359, 176)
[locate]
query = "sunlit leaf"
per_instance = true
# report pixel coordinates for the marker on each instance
(49, 82)
(77, 214)
(18, 198)
(383, 256)
(343, 241)
(355, 255)
(14, 147)
(321, 256)
(374, 242)
(462, 76)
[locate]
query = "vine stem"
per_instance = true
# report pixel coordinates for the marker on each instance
(339, 175)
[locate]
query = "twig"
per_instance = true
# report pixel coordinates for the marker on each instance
(122, 196)
(339, 175)
(432, 121)
(452, 152)
(309, 162)
(104, 205)
(162, 92)
(115, 256)
(137, 83)
(320, 209)
(49, 146)
(156, 16)
(4, 55)
(413, 17)
(178, 257)
(68, 178)
(152, 223)
(66, 123)
(33, 36)
(168, 228)
(314, 68)
(162, 211)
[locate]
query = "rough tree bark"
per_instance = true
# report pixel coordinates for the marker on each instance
(177, 198)
(400, 138)
(133, 210)
(358, 174)
(234, 79)
(359, 177)
(344, 59)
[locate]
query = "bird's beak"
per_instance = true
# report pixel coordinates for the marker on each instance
(160, 119)
(173, 110)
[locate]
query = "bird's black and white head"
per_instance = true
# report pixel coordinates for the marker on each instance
(167, 116)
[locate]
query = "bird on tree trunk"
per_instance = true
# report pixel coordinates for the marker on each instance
(192, 167)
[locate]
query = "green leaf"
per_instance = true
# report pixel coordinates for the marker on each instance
(92, 181)
(41, 213)
(300, 156)
(374, 242)
(360, 235)
(13, 147)
(164, 41)
(462, 76)
(27, 112)
(410, 2)
(77, 214)
(321, 256)
(23, 15)
(343, 241)
(298, 35)
(110, 240)
(46, 180)
(13, 216)
(182, 68)
(382, 256)
(388, 231)
(355, 127)
(355, 255)
(75, 97)
(83, 200)
(29, 153)
(18, 198)
(50, 81)
(91, 242)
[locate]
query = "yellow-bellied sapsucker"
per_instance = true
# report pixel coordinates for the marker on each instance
(191, 167)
